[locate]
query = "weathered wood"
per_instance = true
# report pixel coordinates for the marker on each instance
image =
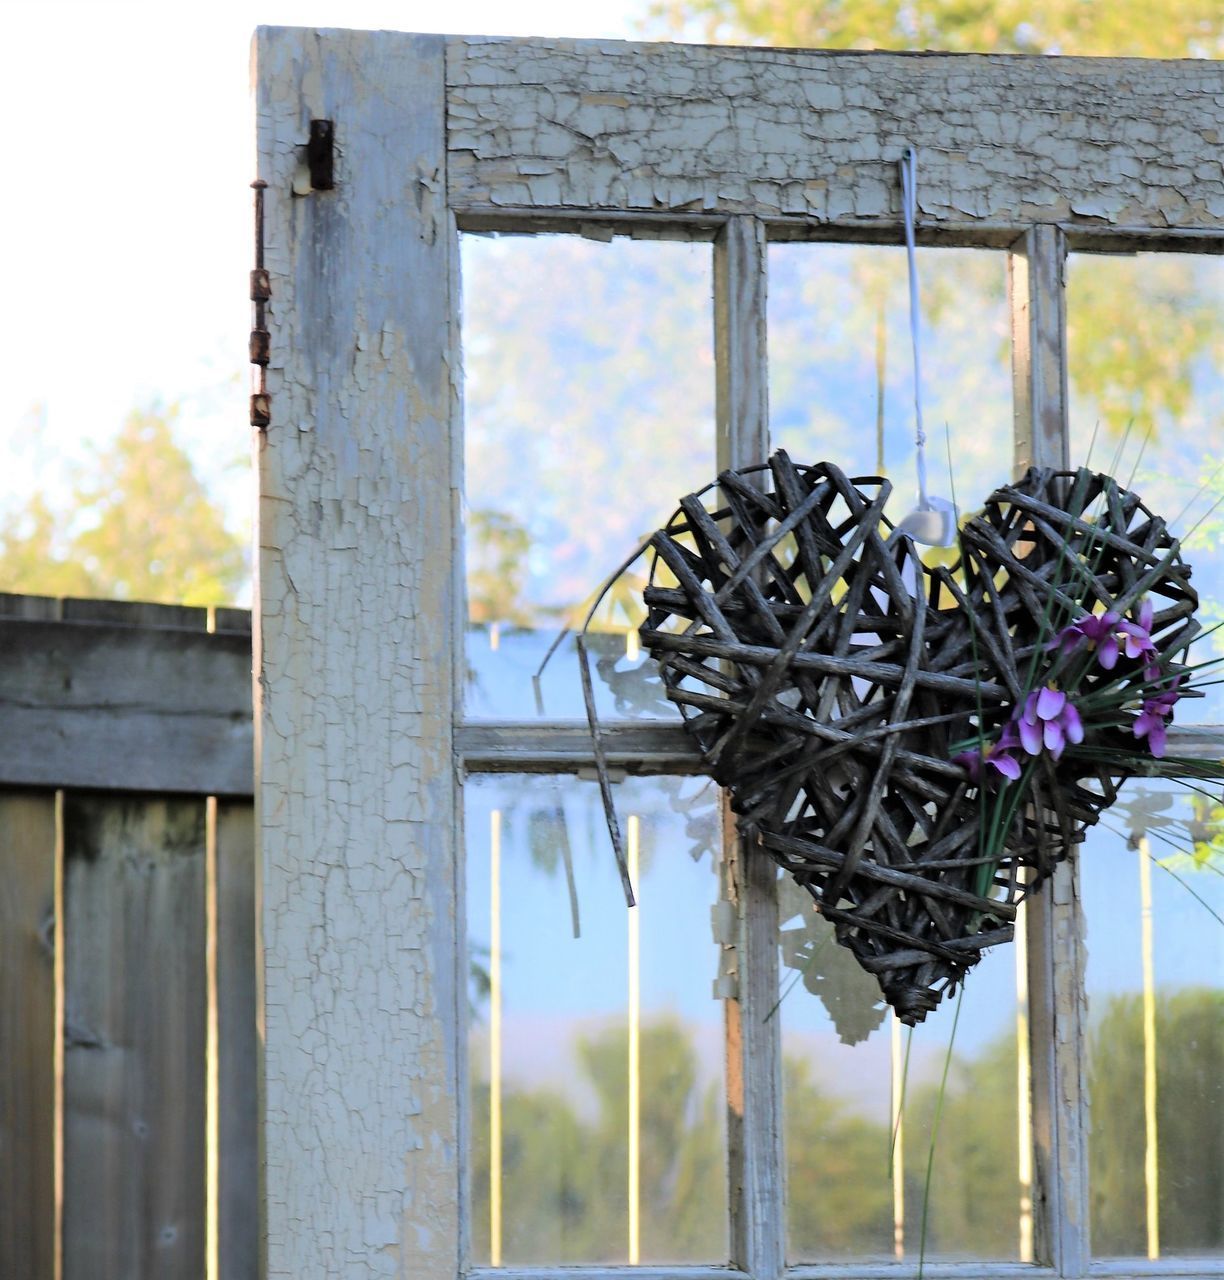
(1058, 1022)
(128, 613)
(1054, 919)
(814, 134)
(607, 1273)
(1036, 293)
(237, 1123)
(134, 1055)
(125, 707)
(492, 747)
(757, 1193)
(27, 1035)
(357, 794)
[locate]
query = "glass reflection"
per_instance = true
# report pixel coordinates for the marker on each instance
(597, 1122)
(589, 412)
(850, 1068)
(1146, 340)
(1152, 877)
(841, 366)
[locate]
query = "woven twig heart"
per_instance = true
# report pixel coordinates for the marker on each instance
(825, 673)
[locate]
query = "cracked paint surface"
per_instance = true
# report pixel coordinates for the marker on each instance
(680, 128)
(356, 793)
(356, 590)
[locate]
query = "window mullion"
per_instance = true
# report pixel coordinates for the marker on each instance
(754, 1062)
(1055, 928)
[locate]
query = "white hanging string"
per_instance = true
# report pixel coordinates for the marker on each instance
(909, 198)
(934, 522)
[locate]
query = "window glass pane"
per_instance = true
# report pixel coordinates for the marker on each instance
(841, 384)
(558, 1058)
(589, 412)
(1146, 339)
(1153, 891)
(844, 1062)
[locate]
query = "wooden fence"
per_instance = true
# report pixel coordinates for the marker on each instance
(128, 1049)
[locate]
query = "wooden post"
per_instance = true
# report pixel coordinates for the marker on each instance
(1055, 920)
(754, 1050)
(356, 792)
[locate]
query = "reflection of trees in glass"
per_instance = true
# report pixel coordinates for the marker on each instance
(497, 547)
(1190, 1119)
(565, 1160)
(975, 1188)
(838, 1162)
(836, 1168)
(589, 398)
(565, 1165)
(1134, 359)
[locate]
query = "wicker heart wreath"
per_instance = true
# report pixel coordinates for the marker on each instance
(828, 676)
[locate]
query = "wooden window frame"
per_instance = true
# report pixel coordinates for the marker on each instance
(360, 744)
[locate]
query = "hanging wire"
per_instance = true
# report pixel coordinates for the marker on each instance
(909, 199)
(934, 520)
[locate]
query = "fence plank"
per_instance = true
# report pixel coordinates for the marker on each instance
(237, 1066)
(27, 1035)
(134, 1054)
(109, 706)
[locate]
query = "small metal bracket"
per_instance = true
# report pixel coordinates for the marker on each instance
(321, 155)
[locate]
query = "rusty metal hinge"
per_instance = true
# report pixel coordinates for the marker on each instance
(260, 345)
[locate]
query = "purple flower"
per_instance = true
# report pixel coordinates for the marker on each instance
(998, 756)
(1150, 722)
(1098, 631)
(1111, 635)
(1136, 637)
(1048, 720)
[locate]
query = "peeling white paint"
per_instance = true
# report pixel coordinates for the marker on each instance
(1115, 136)
(358, 581)
(354, 697)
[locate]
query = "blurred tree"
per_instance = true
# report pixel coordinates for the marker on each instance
(975, 1184)
(1189, 1123)
(137, 525)
(837, 1172)
(497, 568)
(565, 1173)
(1122, 28)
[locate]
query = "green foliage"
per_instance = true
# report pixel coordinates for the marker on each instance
(1121, 27)
(836, 1167)
(1189, 1123)
(565, 1152)
(1134, 357)
(137, 524)
(975, 1189)
(496, 568)
(565, 1167)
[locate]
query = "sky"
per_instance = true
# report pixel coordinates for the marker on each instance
(128, 222)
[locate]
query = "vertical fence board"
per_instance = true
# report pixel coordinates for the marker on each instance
(238, 1108)
(27, 1035)
(134, 1052)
